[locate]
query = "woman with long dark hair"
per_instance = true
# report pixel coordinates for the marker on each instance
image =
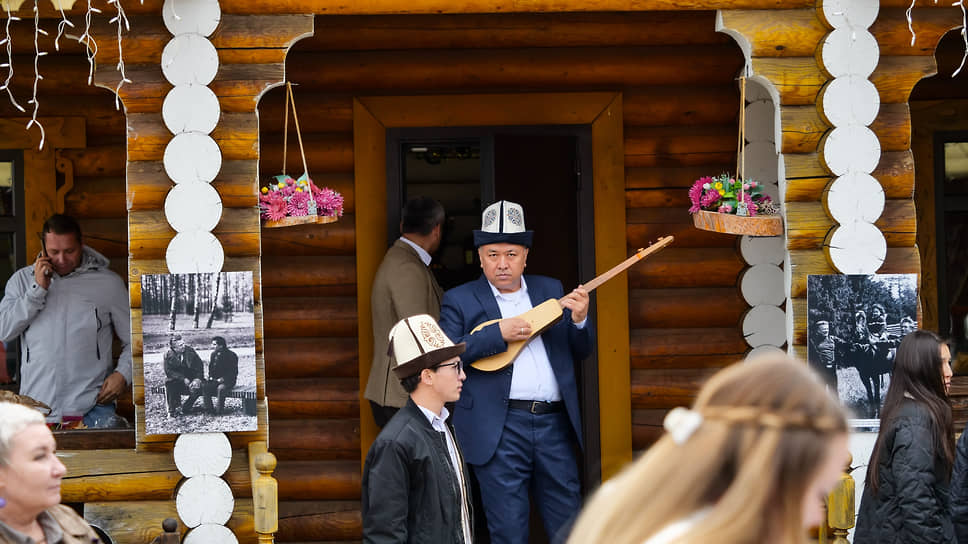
(906, 493)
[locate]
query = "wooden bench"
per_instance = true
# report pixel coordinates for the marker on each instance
(244, 392)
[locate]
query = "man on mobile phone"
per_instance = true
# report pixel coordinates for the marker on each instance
(66, 309)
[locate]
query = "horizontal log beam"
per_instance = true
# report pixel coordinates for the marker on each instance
(686, 307)
(804, 128)
(238, 231)
(97, 198)
(895, 172)
(237, 184)
(291, 358)
(667, 388)
(797, 79)
(310, 316)
(303, 276)
(308, 439)
(896, 76)
(325, 152)
(777, 32)
(305, 521)
(318, 480)
(646, 225)
(96, 161)
(894, 38)
(899, 260)
(685, 361)
(676, 267)
(237, 135)
(682, 341)
(647, 427)
(679, 141)
(313, 398)
(808, 224)
(332, 239)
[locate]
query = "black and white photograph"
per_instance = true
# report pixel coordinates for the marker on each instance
(199, 352)
(854, 325)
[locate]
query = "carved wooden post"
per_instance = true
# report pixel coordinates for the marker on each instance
(840, 507)
(265, 497)
(170, 536)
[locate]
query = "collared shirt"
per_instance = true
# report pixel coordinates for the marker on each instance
(533, 378)
(439, 425)
(421, 252)
(52, 531)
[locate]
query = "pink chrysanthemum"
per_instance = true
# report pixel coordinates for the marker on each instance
(298, 204)
(750, 205)
(329, 202)
(710, 198)
(273, 206)
(695, 195)
(725, 208)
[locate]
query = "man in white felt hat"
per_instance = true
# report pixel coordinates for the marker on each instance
(415, 482)
(519, 426)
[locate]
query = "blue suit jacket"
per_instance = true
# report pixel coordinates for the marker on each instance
(480, 413)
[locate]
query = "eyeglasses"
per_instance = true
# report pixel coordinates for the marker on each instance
(458, 364)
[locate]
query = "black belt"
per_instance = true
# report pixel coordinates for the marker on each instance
(536, 406)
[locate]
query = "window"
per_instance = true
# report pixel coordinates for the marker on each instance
(951, 209)
(11, 242)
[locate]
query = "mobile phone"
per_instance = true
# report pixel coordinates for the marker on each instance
(43, 250)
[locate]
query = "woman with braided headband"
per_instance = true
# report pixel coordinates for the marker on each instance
(906, 490)
(751, 462)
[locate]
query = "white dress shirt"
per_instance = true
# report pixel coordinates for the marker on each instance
(439, 425)
(421, 252)
(532, 377)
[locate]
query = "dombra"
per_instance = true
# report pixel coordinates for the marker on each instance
(545, 315)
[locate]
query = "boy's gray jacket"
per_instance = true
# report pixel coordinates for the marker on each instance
(66, 333)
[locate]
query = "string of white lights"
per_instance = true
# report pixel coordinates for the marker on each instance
(37, 77)
(122, 20)
(88, 40)
(61, 26)
(964, 35)
(9, 64)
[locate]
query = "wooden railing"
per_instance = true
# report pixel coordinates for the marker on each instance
(840, 511)
(265, 492)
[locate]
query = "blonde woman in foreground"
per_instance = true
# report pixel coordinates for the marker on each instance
(751, 463)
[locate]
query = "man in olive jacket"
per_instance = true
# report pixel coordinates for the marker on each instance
(415, 482)
(403, 287)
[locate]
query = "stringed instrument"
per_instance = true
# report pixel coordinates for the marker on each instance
(545, 315)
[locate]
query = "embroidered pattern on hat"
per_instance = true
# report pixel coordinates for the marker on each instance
(515, 217)
(490, 217)
(431, 335)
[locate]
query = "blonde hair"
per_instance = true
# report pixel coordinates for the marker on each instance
(766, 429)
(13, 419)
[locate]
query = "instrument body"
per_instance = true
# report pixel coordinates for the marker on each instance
(545, 315)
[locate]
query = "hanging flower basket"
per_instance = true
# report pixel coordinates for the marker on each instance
(285, 201)
(733, 206)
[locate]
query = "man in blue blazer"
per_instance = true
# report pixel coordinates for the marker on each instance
(519, 426)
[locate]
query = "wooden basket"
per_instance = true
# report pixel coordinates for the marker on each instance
(727, 223)
(299, 220)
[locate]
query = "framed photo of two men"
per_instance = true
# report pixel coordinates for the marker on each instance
(854, 325)
(199, 352)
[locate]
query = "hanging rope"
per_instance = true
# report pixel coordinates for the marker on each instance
(741, 208)
(291, 101)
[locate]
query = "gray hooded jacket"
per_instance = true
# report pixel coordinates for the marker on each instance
(66, 333)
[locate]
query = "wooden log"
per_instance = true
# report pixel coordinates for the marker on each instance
(686, 361)
(893, 127)
(332, 239)
(802, 128)
(686, 307)
(238, 231)
(899, 260)
(314, 398)
(306, 439)
(667, 388)
(137, 522)
(797, 79)
(148, 184)
(679, 141)
(318, 480)
(106, 160)
(97, 198)
(324, 153)
(310, 316)
(107, 236)
(501, 30)
(657, 342)
(647, 427)
(895, 172)
(894, 38)
(310, 357)
(302, 276)
(896, 76)
(682, 177)
(102, 118)
(237, 136)
(688, 267)
(808, 224)
(537, 68)
(777, 32)
(93, 439)
(646, 225)
(166, 442)
(329, 112)
(304, 521)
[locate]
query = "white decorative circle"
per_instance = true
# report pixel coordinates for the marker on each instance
(853, 148)
(855, 13)
(857, 248)
(210, 533)
(191, 108)
(192, 156)
(764, 325)
(194, 251)
(761, 160)
(204, 499)
(760, 120)
(189, 58)
(855, 196)
(763, 284)
(191, 16)
(765, 349)
(193, 205)
(850, 51)
(762, 249)
(202, 453)
(850, 100)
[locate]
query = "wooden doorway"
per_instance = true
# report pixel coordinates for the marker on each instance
(372, 116)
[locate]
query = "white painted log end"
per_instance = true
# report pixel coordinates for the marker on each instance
(192, 156)
(761, 160)
(857, 248)
(193, 205)
(764, 325)
(853, 148)
(189, 58)
(202, 453)
(760, 121)
(763, 350)
(847, 13)
(210, 533)
(191, 16)
(855, 197)
(850, 52)
(191, 108)
(850, 100)
(204, 499)
(763, 284)
(762, 249)
(194, 251)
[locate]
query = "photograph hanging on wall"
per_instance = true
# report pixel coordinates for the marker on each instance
(199, 352)
(854, 325)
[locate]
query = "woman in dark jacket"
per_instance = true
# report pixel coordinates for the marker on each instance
(906, 493)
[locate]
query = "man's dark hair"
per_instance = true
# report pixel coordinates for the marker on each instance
(174, 338)
(220, 341)
(410, 383)
(420, 215)
(62, 224)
